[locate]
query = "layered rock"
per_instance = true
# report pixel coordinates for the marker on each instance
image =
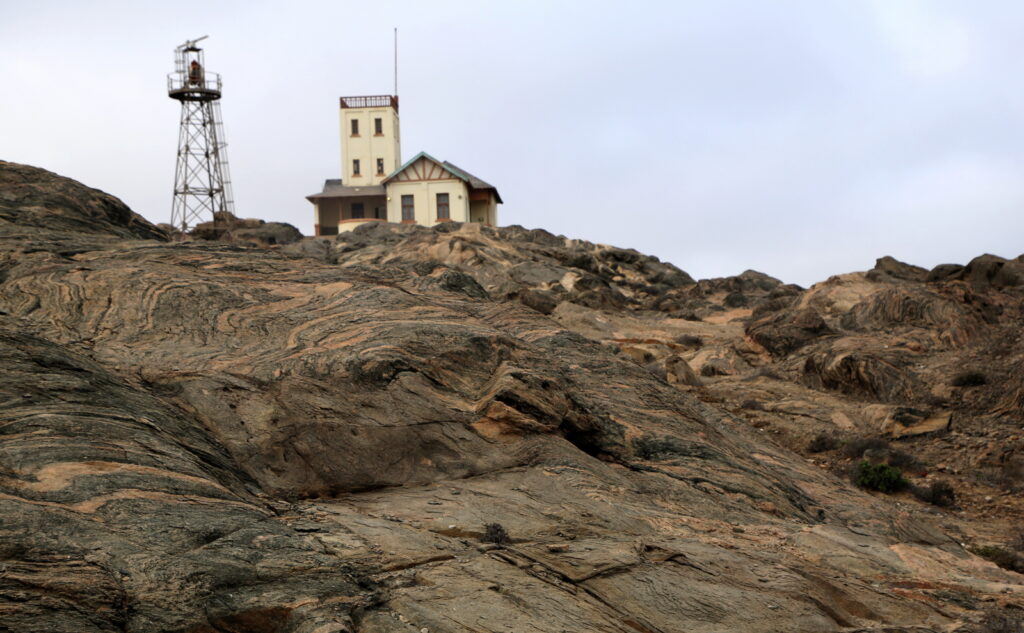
(214, 437)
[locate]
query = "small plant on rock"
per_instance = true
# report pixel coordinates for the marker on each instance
(856, 447)
(690, 340)
(939, 493)
(996, 622)
(880, 477)
(1017, 542)
(1003, 557)
(495, 533)
(823, 442)
(969, 379)
(902, 460)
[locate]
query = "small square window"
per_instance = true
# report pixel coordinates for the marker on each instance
(378, 127)
(355, 127)
(357, 210)
(355, 167)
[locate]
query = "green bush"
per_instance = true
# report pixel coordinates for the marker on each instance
(880, 477)
(1002, 557)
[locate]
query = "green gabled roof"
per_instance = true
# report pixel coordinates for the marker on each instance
(458, 172)
(440, 163)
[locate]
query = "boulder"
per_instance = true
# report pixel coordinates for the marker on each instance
(267, 234)
(945, 272)
(679, 372)
(33, 198)
(904, 423)
(889, 269)
(782, 333)
(981, 270)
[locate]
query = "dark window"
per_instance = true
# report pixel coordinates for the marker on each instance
(378, 127)
(357, 210)
(442, 206)
(408, 211)
(380, 213)
(380, 164)
(355, 127)
(355, 167)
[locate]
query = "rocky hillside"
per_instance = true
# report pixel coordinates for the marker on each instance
(465, 429)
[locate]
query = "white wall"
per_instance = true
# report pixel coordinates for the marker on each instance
(424, 194)
(367, 147)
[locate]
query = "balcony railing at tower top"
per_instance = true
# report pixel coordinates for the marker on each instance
(205, 84)
(374, 101)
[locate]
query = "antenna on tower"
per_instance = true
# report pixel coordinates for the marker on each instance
(396, 61)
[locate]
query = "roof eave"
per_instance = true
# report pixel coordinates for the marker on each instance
(440, 163)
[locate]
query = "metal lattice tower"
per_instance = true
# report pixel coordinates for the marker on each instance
(202, 184)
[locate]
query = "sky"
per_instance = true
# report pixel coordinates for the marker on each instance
(800, 138)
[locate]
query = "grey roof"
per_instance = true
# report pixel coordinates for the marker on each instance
(474, 182)
(334, 189)
(461, 174)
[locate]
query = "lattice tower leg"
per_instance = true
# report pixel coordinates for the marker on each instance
(199, 181)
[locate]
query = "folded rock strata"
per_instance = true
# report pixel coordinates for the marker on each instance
(210, 437)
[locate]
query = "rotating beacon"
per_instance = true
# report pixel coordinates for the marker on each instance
(202, 184)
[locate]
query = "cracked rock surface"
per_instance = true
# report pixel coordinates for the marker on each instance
(314, 438)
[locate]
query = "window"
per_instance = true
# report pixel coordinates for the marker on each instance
(380, 165)
(355, 127)
(378, 127)
(408, 210)
(357, 210)
(355, 167)
(442, 206)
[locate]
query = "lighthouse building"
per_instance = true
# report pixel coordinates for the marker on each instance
(375, 186)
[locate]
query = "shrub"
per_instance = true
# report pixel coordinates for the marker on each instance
(1009, 476)
(901, 459)
(767, 372)
(1012, 473)
(712, 369)
(1017, 542)
(880, 477)
(939, 493)
(1002, 557)
(823, 442)
(752, 405)
(876, 449)
(996, 622)
(495, 533)
(690, 340)
(856, 448)
(969, 379)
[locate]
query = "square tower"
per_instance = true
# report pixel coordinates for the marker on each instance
(370, 140)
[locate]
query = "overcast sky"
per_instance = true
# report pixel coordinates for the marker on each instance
(801, 138)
